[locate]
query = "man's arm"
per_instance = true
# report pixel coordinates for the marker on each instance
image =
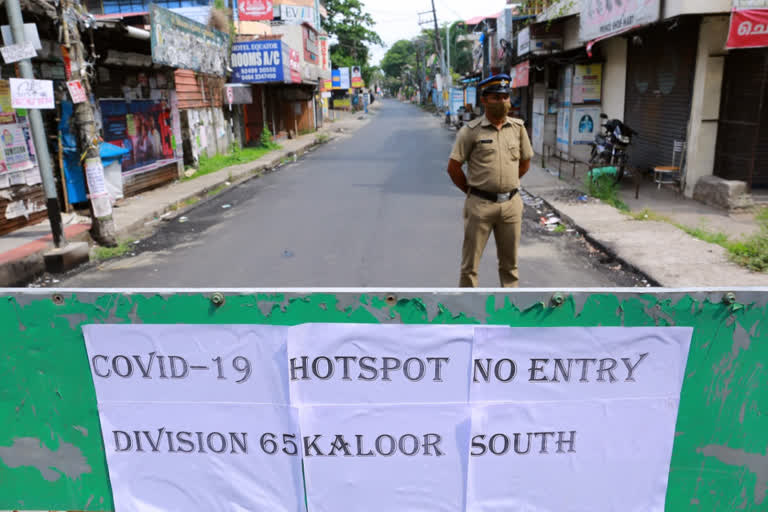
(457, 175)
(524, 166)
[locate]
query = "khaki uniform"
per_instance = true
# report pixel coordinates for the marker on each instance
(493, 160)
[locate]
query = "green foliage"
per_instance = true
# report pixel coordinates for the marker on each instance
(605, 189)
(560, 228)
(265, 140)
(353, 29)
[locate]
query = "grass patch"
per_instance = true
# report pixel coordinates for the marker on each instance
(647, 214)
(322, 138)
(720, 239)
(107, 253)
(560, 228)
(605, 189)
(191, 201)
(216, 190)
(235, 157)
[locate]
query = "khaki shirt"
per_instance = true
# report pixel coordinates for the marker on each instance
(493, 156)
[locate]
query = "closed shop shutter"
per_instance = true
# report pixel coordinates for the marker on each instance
(660, 71)
(742, 135)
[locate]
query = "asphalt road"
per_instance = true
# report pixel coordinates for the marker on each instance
(371, 209)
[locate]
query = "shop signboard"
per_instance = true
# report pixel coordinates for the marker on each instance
(255, 10)
(261, 61)
(519, 75)
(294, 64)
(524, 41)
(602, 18)
(345, 82)
(181, 42)
(749, 26)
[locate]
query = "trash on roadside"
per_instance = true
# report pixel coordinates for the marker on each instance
(136, 242)
(287, 254)
(552, 221)
(583, 198)
(226, 183)
(225, 206)
(183, 219)
(190, 172)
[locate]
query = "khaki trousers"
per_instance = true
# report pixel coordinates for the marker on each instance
(480, 218)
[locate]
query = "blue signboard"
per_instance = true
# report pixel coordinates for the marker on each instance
(336, 79)
(457, 99)
(256, 62)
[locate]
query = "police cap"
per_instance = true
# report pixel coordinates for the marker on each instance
(495, 84)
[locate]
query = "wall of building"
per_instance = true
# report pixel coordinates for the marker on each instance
(571, 39)
(705, 103)
(205, 131)
(614, 51)
(672, 8)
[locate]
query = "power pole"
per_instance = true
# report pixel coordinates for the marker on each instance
(102, 224)
(13, 9)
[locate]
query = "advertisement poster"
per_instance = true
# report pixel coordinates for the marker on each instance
(519, 75)
(15, 150)
(336, 79)
(77, 91)
(255, 10)
(602, 18)
(141, 126)
(585, 124)
(294, 64)
(345, 82)
(357, 77)
(28, 93)
(181, 42)
(587, 83)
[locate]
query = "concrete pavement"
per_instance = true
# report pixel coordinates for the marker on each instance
(660, 250)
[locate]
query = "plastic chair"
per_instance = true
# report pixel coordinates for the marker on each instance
(672, 174)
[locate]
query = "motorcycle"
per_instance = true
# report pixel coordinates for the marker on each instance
(611, 145)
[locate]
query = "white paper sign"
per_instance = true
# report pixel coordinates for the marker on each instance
(571, 456)
(564, 363)
(354, 364)
(202, 457)
(27, 93)
(17, 52)
(77, 91)
(401, 458)
(208, 363)
(30, 35)
(94, 174)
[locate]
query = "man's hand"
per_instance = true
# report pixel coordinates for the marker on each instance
(457, 175)
(525, 165)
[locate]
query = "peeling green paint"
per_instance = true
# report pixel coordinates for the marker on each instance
(51, 454)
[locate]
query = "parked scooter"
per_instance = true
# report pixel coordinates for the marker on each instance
(611, 145)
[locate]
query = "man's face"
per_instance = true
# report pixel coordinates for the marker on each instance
(494, 97)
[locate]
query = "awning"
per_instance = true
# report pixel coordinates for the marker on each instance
(478, 19)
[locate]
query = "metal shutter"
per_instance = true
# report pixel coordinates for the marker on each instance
(742, 135)
(660, 74)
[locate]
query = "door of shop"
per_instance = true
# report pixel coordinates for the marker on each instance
(742, 136)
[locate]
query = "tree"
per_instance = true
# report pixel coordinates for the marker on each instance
(399, 55)
(352, 28)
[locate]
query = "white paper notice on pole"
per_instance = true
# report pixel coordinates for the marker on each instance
(30, 35)
(77, 91)
(28, 93)
(349, 363)
(386, 458)
(17, 52)
(202, 457)
(571, 456)
(94, 174)
(564, 363)
(201, 363)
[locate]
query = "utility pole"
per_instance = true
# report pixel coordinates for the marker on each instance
(13, 9)
(102, 224)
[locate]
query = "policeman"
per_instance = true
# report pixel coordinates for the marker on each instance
(498, 153)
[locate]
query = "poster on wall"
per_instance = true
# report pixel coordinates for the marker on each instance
(519, 75)
(587, 83)
(294, 64)
(585, 124)
(566, 87)
(537, 133)
(603, 18)
(563, 129)
(141, 126)
(255, 10)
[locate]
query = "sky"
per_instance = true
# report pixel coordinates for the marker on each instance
(399, 19)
